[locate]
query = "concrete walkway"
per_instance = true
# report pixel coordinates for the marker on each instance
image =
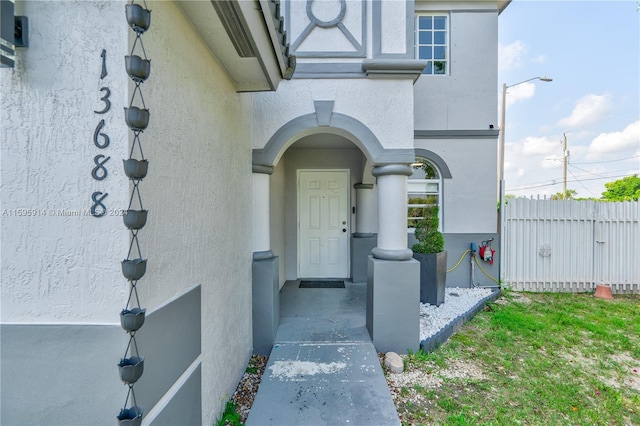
(323, 369)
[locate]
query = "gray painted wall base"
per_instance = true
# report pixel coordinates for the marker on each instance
(67, 374)
(266, 304)
(61, 374)
(360, 250)
(183, 409)
(170, 341)
(456, 245)
(393, 304)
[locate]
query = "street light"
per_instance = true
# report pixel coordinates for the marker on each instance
(501, 163)
(502, 120)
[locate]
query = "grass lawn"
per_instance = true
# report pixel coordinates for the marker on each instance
(534, 359)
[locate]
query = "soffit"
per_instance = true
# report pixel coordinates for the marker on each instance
(461, 5)
(323, 141)
(240, 37)
(502, 5)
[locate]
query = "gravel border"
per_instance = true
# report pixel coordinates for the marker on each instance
(431, 343)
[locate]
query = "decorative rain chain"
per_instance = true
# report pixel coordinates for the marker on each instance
(132, 316)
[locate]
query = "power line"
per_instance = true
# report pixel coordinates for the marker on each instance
(555, 183)
(610, 161)
(588, 190)
(634, 170)
(545, 183)
(586, 171)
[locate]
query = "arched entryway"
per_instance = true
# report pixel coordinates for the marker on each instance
(311, 173)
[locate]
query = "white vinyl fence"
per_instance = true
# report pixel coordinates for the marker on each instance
(571, 246)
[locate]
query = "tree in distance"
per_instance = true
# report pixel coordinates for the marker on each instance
(625, 189)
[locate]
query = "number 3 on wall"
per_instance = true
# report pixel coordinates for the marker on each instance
(105, 99)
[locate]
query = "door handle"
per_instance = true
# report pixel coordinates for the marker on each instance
(344, 229)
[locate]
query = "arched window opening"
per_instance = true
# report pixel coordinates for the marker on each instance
(424, 189)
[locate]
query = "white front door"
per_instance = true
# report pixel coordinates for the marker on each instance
(323, 217)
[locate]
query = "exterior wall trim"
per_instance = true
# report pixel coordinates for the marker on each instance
(363, 186)
(475, 11)
(334, 70)
(456, 134)
(377, 34)
(387, 254)
(239, 34)
(439, 162)
(331, 122)
(263, 255)
(236, 28)
(394, 68)
(262, 169)
(360, 48)
(392, 169)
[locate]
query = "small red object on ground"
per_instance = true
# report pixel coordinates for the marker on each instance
(603, 292)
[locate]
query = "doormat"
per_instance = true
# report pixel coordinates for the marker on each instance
(321, 284)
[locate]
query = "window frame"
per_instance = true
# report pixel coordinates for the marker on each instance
(447, 44)
(438, 180)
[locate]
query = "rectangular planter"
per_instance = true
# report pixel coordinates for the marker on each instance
(433, 277)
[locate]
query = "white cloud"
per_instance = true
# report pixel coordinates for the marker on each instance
(575, 150)
(510, 55)
(540, 59)
(540, 146)
(520, 92)
(627, 139)
(588, 110)
(552, 162)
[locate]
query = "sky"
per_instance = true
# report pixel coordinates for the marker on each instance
(591, 50)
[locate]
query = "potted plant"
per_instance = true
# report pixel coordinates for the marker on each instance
(429, 251)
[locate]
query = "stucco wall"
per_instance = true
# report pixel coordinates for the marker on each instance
(62, 286)
(464, 100)
(470, 196)
(61, 264)
(198, 193)
(384, 106)
(468, 97)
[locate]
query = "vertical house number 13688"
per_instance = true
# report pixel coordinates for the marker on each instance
(101, 141)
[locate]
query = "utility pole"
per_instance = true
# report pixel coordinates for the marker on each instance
(565, 154)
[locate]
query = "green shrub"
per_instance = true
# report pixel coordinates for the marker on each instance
(430, 239)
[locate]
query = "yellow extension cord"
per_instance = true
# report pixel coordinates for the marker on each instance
(459, 261)
(477, 263)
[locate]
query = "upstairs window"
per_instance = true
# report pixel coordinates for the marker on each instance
(424, 190)
(432, 43)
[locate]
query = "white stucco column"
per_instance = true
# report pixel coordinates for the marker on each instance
(364, 206)
(261, 222)
(392, 212)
